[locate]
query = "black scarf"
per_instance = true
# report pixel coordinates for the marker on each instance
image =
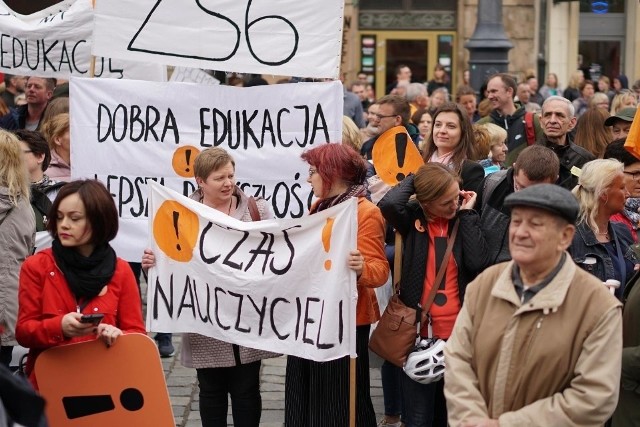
(86, 276)
(352, 191)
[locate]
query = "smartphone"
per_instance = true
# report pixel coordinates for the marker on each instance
(94, 319)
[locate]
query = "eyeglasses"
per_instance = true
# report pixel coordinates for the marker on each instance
(312, 172)
(635, 175)
(382, 116)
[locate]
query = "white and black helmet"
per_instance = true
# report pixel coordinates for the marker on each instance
(425, 364)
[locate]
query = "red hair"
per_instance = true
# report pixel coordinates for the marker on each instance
(336, 162)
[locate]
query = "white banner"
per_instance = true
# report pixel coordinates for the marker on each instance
(287, 37)
(277, 285)
(127, 133)
(56, 42)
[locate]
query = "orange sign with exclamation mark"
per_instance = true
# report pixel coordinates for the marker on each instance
(183, 159)
(395, 155)
(326, 240)
(175, 230)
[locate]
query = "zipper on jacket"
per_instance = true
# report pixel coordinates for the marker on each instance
(534, 333)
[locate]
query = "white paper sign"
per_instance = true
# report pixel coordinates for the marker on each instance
(277, 285)
(127, 133)
(192, 75)
(287, 37)
(56, 42)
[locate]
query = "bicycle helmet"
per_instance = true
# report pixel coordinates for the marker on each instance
(425, 364)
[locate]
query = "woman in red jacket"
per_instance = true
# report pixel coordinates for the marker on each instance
(79, 275)
(317, 393)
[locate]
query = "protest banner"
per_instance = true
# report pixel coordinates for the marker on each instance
(56, 42)
(127, 133)
(277, 285)
(192, 75)
(287, 37)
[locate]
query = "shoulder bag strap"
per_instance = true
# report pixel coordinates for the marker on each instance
(253, 209)
(397, 263)
(443, 267)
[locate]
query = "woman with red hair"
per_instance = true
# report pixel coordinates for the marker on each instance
(317, 393)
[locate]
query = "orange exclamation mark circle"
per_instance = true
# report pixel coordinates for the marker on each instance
(182, 160)
(326, 240)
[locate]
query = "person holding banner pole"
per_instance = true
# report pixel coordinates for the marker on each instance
(317, 393)
(440, 216)
(223, 369)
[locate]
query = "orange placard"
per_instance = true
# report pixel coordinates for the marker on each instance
(183, 159)
(90, 384)
(395, 155)
(175, 230)
(632, 144)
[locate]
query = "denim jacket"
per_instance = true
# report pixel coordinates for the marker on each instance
(586, 245)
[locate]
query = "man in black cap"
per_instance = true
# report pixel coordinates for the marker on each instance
(537, 341)
(621, 122)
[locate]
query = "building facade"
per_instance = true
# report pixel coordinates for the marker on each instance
(548, 36)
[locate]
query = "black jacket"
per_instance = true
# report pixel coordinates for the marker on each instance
(570, 155)
(469, 249)
(495, 217)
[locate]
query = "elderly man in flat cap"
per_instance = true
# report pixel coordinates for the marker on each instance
(538, 341)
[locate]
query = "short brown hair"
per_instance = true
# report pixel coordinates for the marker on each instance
(210, 160)
(99, 207)
(538, 163)
(464, 90)
(507, 81)
(400, 106)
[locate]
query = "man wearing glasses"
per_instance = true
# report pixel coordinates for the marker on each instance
(392, 111)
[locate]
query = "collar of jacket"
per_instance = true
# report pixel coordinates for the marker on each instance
(559, 149)
(547, 300)
(589, 237)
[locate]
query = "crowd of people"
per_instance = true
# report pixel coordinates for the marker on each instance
(527, 201)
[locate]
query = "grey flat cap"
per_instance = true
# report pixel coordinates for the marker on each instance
(625, 115)
(550, 197)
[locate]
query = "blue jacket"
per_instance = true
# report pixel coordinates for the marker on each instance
(585, 245)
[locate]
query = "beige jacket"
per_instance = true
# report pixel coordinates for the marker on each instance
(554, 361)
(17, 236)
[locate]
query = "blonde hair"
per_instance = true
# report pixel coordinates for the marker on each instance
(13, 173)
(620, 99)
(596, 177)
(574, 80)
(497, 135)
(54, 128)
(597, 98)
(210, 160)
(351, 135)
